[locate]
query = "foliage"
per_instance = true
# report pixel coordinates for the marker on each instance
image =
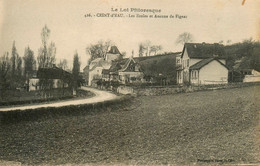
(29, 61)
(245, 55)
(98, 50)
(76, 70)
(16, 68)
(4, 73)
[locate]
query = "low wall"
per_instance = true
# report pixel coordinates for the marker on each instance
(156, 91)
(125, 90)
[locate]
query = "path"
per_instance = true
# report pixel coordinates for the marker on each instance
(100, 96)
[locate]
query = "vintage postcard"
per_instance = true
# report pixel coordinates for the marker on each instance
(128, 82)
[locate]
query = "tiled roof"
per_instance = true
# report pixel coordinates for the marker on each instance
(99, 62)
(205, 50)
(53, 73)
(204, 62)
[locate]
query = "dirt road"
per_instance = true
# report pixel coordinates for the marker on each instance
(100, 96)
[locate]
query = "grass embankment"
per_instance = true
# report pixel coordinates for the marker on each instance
(210, 127)
(34, 97)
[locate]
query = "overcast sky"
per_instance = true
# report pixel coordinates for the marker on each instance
(207, 20)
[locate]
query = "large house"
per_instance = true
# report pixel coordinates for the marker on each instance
(124, 71)
(202, 63)
(99, 64)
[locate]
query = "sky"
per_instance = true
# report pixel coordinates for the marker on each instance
(208, 21)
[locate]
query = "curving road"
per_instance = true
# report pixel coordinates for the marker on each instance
(100, 96)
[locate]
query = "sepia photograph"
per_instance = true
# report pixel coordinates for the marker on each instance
(128, 82)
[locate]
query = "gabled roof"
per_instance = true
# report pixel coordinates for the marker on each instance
(204, 62)
(127, 64)
(113, 50)
(53, 73)
(204, 50)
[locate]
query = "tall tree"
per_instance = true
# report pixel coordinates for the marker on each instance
(29, 62)
(98, 50)
(16, 68)
(14, 59)
(46, 53)
(19, 69)
(76, 70)
(184, 38)
(5, 67)
(46, 58)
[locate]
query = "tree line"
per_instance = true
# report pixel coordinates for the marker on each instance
(15, 70)
(145, 48)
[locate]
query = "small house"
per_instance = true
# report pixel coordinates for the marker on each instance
(203, 63)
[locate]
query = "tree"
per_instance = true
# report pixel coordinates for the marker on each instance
(146, 48)
(29, 62)
(63, 64)
(141, 50)
(16, 68)
(184, 38)
(13, 59)
(155, 48)
(46, 53)
(19, 69)
(5, 67)
(75, 71)
(46, 58)
(98, 50)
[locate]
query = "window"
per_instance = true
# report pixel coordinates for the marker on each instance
(187, 62)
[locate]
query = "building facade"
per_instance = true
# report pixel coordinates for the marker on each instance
(202, 63)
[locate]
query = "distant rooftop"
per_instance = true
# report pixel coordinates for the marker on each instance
(113, 50)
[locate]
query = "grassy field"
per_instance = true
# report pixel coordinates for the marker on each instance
(211, 127)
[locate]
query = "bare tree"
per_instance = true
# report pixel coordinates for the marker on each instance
(46, 53)
(63, 64)
(147, 49)
(155, 49)
(46, 58)
(184, 38)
